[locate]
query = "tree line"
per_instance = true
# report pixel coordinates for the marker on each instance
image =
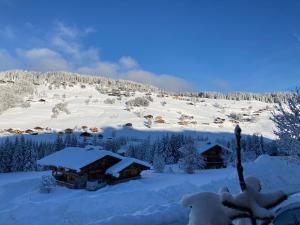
(20, 153)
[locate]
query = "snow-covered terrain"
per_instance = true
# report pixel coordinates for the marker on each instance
(152, 200)
(49, 106)
(87, 108)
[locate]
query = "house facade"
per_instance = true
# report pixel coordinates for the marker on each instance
(213, 154)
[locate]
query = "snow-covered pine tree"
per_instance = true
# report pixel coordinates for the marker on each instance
(159, 163)
(59, 143)
(191, 159)
(18, 155)
(287, 120)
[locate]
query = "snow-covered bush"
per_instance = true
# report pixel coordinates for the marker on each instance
(236, 116)
(47, 184)
(138, 102)
(25, 105)
(149, 98)
(163, 103)
(191, 159)
(110, 101)
(60, 107)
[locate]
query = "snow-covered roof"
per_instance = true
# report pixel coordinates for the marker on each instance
(125, 162)
(75, 158)
(203, 147)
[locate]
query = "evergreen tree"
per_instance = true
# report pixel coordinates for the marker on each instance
(191, 159)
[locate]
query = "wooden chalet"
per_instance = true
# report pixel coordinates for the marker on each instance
(69, 131)
(126, 169)
(73, 167)
(213, 154)
(85, 134)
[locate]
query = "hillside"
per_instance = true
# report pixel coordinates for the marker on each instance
(63, 100)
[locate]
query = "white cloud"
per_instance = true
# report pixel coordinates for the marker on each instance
(68, 41)
(42, 59)
(220, 83)
(107, 69)
(164, 81)
(63, 49)
(7, 61)
(128, 62)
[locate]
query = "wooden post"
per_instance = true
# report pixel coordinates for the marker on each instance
(239, 166)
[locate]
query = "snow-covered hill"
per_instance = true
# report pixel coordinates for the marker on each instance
(102, 104)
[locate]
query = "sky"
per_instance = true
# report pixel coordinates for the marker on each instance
(179, 45)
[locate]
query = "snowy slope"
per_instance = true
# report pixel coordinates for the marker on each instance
(98, 114)
(152, 200)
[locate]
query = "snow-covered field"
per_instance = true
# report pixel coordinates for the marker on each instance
(152, 200)
(98, 114)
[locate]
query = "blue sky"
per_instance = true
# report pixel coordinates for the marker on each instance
(178, 45)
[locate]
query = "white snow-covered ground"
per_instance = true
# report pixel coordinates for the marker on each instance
(152, 200)
(101, 115)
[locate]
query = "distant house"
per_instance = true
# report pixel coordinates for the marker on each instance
(94, 129)
(128, 125)
(85, 134)
(69, 131)
(213, 154)
(40, 129)
(73, 167)
(29, 131)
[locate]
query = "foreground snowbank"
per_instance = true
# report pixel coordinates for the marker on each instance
(153, 200)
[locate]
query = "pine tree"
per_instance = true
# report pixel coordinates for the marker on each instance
(59, 143)
(287, 120)
(159, 163)
(191, 159)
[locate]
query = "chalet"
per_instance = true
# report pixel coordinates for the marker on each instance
(85, 134)
(94, 129)
(148, 117)
(219, 120)
(213, 154)
(128, 125)
(160, 121)
(10, 130)
(73, 167)
(40, 129)
(84, 128)
(68, 131)
(126, 169)
(29, 131)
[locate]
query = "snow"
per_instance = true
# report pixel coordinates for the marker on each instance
(75, 158)
(152, 200)
(124, 163)
(104, 116)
